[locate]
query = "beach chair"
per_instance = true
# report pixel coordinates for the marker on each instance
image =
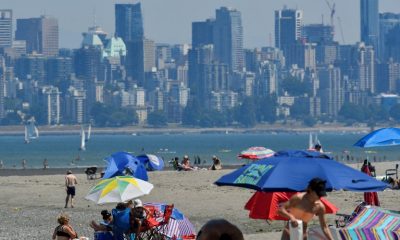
(343, 219)
(161, 230)
(392, 172)
(91, 173)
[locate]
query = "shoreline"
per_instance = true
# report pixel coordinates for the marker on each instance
(138, 130)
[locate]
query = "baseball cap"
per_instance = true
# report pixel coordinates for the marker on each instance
(318, 186)
(137, 203)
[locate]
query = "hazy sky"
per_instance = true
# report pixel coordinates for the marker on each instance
(169, 21)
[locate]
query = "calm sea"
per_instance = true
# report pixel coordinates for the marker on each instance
(62, 150)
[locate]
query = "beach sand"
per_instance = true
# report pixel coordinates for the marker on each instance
(29, 204)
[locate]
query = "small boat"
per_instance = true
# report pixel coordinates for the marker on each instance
(31, 131)
(225, 150)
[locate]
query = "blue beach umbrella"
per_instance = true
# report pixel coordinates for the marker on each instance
(380, 138)
(151, 162)
(118, 164)
(292, 170)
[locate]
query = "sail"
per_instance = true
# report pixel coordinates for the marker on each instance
(89, 132)
(83, 138)
(31, 131)
(26, 134)
(310, 142)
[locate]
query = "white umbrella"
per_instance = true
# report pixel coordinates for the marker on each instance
(118, 189)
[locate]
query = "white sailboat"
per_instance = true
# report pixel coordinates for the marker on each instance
(88, 133)
(31, 131)
(83, 140)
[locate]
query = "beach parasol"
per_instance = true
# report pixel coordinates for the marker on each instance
(380, 138)
(256, 153)
(372, 223)
(122, 163)
(151, 162)
(264, 205)
(178, 225)
(118, 189)
(290, 171)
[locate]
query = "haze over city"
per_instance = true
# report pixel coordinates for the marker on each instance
(169, 21)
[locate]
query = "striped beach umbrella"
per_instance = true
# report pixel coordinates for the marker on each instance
(118, 189)
(256, 153)
(178, 226)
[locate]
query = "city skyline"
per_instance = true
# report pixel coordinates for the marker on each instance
(161, 26)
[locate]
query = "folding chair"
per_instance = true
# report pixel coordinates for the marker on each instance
(160, 230)
(91, 172)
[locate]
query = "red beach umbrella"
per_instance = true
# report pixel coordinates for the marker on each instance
(264, 205)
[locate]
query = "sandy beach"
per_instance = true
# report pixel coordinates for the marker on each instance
(29, 203)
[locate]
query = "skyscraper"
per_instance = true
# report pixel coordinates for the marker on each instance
(129, 21)
(5, 28)
(40, 34)
(288, 25)
(228, 38)
(369, 13)
(202, 33)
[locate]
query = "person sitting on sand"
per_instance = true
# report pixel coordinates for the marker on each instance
(216, 164)
(138, 216)
(103, 230)
(394, 183)
(304, 207)
(186, 164)
(64, 230)
(219, 229)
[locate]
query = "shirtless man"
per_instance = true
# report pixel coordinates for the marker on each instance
(70, 182)
(304, 207)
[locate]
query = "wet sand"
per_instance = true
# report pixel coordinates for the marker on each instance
(32, 200)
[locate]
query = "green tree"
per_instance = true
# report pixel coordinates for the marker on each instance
(192, 113)
(157, 119)
(246, 114)
(11, 118)
(294, 86)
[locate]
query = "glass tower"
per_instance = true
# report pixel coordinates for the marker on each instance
(369, 12)
(129, 22)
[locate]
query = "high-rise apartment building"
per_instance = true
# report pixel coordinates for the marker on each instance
(388, 24)
(228, 38)
(369, 29)
(6, 23)
(318, 33)
(51, 100)
(129, 21)
(40, 34)
(288, 25)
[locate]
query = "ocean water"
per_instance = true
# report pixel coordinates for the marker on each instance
(62, 150)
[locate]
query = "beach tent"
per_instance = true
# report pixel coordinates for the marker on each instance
(123, 163)
(264, 205)
(373, 223)
(151, 162)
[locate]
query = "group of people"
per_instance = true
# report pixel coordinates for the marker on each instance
(186, 165)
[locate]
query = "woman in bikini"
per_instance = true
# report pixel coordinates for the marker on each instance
(64, 231)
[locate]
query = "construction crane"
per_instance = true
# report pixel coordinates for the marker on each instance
(341, 29)
(332, 9)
